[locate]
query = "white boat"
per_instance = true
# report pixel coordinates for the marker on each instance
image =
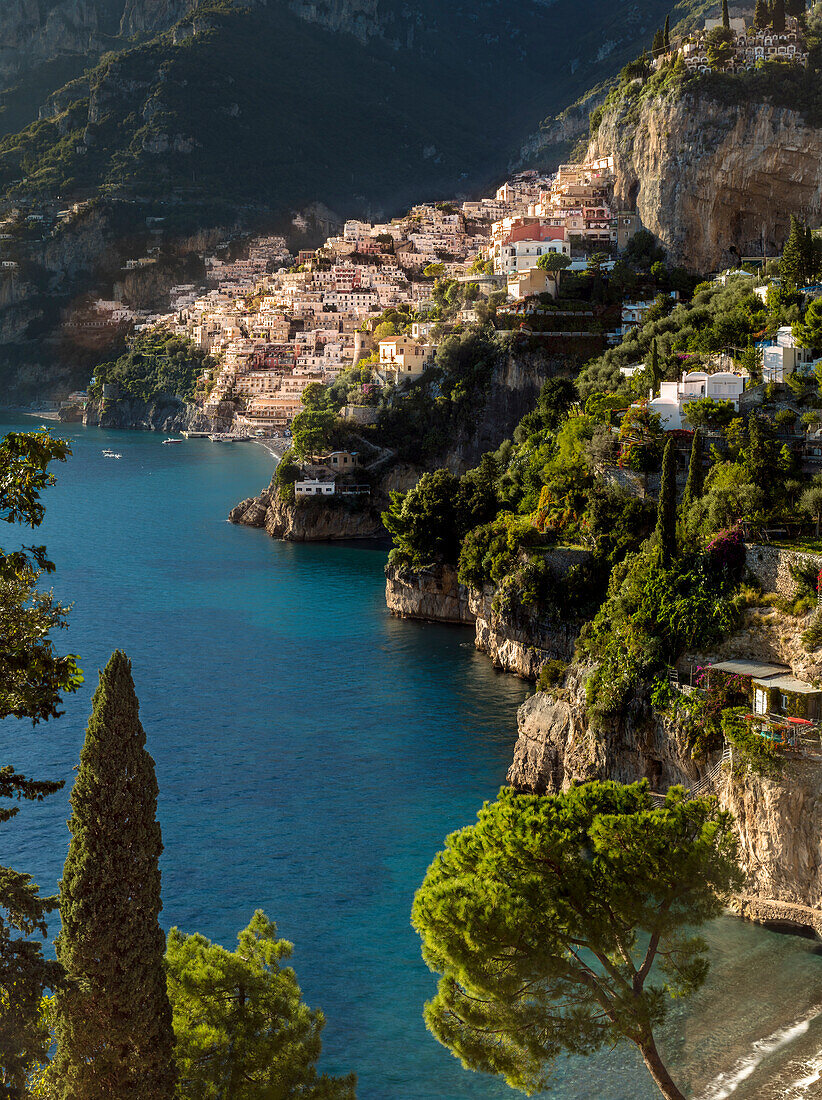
(170, 440)
(111, 454)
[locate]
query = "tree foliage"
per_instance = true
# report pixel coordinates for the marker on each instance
(666, 508)
(241, 1027)
(114, 1035)
(32, 675)
(156, 364)
(562, 924)
(32, 680)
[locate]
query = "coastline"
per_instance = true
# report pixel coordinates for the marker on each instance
(27, 410)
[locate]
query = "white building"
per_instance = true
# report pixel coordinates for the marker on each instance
(314, 487)
(784, 356)
(672, 403)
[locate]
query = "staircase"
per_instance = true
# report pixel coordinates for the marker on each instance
(705, 785)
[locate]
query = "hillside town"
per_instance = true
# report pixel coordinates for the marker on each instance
(275, 324)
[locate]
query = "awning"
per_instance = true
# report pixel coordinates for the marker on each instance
(755, 669)
(788, 683)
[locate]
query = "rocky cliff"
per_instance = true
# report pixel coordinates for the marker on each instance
(516, 639)
(313, 520)
(705, 176)
(779, 820)
(167, 414)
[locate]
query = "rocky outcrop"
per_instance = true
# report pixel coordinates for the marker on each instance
(705, 176)
(780, 823)
(432, 594)
(316, 521)
(168, 414)
(516, 639)
(779, 819)
(557, 746)
(313, 520)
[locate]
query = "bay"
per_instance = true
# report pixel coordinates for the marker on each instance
(312, 753)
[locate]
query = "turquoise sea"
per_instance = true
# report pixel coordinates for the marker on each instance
(312, 753)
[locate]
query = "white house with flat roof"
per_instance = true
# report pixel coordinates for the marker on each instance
(673, 399)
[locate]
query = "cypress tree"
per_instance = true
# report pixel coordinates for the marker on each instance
(726, 19)
(655, 374)
(761, 15)
(666, 508)
(693, 486)
(795, 7)
(790, 267)
(778, 16)
(666, 34)
(114, 1033)
(658, 44)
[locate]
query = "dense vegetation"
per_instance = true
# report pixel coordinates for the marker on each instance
(193, 118)
(156, 364)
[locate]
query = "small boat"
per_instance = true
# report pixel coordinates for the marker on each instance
(111, 454)
(170, 440)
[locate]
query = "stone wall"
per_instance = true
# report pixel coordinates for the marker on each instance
(772, 567)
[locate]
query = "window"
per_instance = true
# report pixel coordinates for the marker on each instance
(785, 701)
(760, 701)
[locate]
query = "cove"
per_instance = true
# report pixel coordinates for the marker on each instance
(312, 753)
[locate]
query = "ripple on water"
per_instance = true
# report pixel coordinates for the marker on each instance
(312, 753)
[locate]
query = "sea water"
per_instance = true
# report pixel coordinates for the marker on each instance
(312, 753)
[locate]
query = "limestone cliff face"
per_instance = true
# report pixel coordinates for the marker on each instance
(516, 640)
(705, 176)
(306, 521)
(779, 820)
(169, 414)
(433, 594)
(556, 746)
(32, 31)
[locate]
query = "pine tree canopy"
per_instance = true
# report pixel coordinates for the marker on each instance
(561, 924)
(114, 1035)
(32, 679)
(241, 1026)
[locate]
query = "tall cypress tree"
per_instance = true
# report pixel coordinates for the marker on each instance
(114, 1033)
(666, 508)
(693, 486)
(778, 16)
(656, 376)
(791, 264)
(761, 15)
(726, 19)
(666, 34)
(658, 43)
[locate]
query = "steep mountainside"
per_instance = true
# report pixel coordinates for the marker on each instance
(354, 102)
(706, 175)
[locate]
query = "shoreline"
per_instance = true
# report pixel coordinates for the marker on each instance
(27, 410)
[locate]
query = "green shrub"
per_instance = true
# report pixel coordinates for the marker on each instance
(551, 674)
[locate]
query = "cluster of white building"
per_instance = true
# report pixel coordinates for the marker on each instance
(274, 326)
